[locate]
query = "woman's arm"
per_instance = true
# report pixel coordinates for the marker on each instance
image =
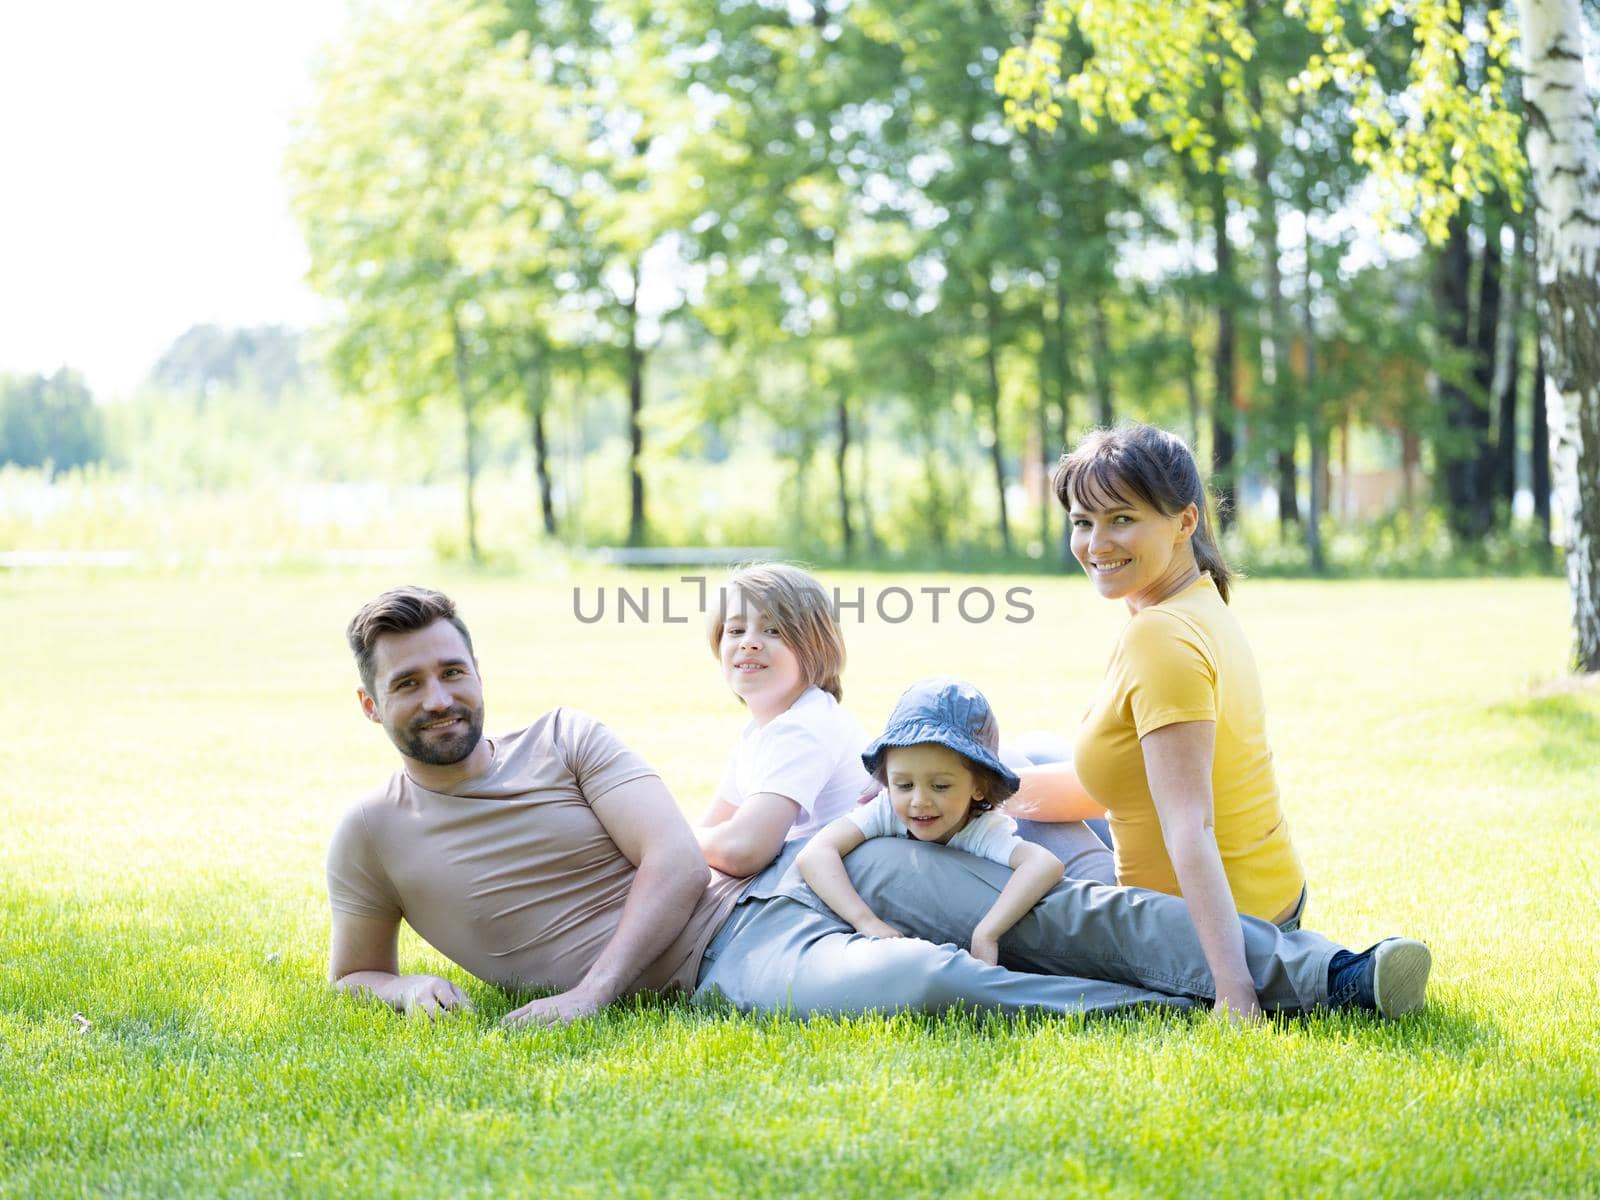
(821, 865)
(1177, 762)
(1034, 871)
(1051, 792)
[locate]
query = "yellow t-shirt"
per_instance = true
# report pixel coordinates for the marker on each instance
(1186, 659)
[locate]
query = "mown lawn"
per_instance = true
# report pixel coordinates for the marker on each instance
(178, 748)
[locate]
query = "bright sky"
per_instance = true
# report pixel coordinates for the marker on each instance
(142, 146)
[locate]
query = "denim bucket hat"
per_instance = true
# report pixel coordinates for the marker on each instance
(945, 712)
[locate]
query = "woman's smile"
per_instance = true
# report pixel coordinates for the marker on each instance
(1105, 568)
(1132, 551)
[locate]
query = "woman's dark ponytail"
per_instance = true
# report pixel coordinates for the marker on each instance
(1207, 554)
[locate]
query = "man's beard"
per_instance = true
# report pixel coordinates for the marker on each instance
(437, 753)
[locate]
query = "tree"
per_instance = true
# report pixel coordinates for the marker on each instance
(1430, 141)
(49, 421)
(1433, 143)
(632, 198)
(1566, 181)
(798, 261)
(205, 357)
(419, 181)
(1471, 298)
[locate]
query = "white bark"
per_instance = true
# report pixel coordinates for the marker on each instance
(1565, 162)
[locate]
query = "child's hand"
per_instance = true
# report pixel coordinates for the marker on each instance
(985, 948)
(877, 928)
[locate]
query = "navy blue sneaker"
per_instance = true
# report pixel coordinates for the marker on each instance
(1390, 978)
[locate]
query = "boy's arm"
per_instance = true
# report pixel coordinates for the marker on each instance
(723, 804)
(821, 865)
(1034, 871)
(719, 812)
(751, 836)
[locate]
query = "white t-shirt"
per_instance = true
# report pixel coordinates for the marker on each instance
(811, 754)
(991, 835)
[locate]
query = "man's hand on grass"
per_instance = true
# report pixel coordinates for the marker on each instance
(429, 995)
(560, 1009)
(1238, 1007)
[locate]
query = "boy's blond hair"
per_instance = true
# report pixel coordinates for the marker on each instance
(802, 612)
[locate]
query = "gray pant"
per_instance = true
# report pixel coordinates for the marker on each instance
(1084, 849)
(1083, 854)
(1085, 947)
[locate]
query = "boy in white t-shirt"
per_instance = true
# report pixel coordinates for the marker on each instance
(797, 764)
(943, 783)
(810, 753)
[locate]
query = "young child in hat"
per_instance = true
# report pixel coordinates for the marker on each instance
(943, 783)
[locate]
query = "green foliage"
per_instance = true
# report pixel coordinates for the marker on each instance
(238, 438)
(414, 180)
(207, 357)
(1432, 139)
(49, 420)
(1403, 544)
(167, 887)
(592, 214)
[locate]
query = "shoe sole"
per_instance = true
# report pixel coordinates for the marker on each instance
(1400, 976)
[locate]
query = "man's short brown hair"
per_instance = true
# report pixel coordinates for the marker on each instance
(399, 610)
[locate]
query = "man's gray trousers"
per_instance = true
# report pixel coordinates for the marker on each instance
(1086, 947)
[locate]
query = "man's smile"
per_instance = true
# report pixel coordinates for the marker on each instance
(451, 723)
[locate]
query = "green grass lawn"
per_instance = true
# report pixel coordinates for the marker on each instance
(178, 749)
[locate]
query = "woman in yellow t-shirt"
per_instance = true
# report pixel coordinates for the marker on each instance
(1174, 750)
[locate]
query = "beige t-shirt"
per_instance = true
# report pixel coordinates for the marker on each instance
(512, 876)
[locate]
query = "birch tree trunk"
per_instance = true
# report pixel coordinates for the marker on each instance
(1282, 423)
(1565, 164)
(869, 533)
(1315, 424)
